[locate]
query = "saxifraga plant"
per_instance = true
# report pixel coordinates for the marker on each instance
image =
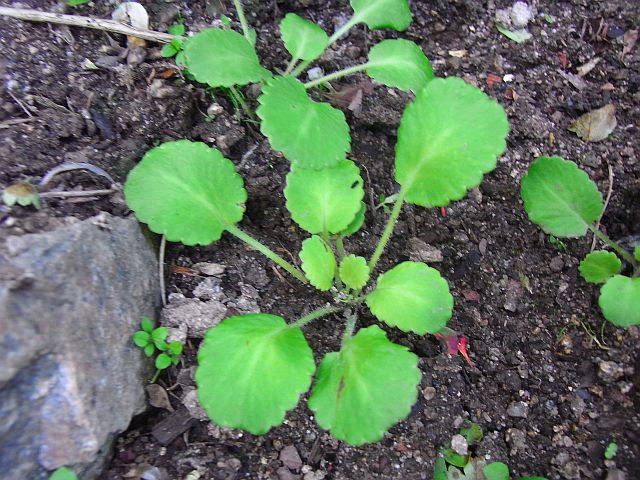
(253, 368)
(565, 202)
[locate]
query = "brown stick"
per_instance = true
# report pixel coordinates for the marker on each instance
(85, 22)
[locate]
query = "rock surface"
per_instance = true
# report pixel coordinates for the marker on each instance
(70, 377)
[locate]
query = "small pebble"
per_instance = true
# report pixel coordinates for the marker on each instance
(518, 410)
(556, 264)
(459, 444)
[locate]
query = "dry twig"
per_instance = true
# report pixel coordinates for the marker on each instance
(85, 22)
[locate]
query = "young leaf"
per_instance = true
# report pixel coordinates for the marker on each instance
(472, 433)
(449, 136)
(440, 469)
(140, 338)
(399, 63)
(354, 271)
(159, 333)
(303, 39)
(357, 222)
(251, 370)
(186, 191)
(412, 297)
(149, 349)
(300, 127)
(327, 200)
(636, 253)
(222, 58)
(146, 325)
(496, 471)
(560, 197)
(620, 300)
(599, 265)
(318, 262)
(365, 388)
(163, 361)
(63, 473)
(175, 348)
(393, 14)
(611, 451)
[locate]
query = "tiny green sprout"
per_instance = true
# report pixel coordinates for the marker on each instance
(611, 451)
(449, 136)
(558, 244)
(63, 473)
(77, 3)
(564, 202)
(149, 339)
(22, 193)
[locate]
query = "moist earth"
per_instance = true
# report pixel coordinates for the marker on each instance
(551, 385)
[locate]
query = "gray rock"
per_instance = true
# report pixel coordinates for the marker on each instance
(284, 474)
(556, 264)
(616, 474)
(516, 439)
(420, 251)
(521, 13)
(518, 410)
(70, 377)
(609, 372)
(196, 315)
(459, 444)
(290, 457)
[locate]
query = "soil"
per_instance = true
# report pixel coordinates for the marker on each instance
(551, 384)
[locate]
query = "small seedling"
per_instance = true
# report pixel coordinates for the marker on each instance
(565, 202)
(151, 339)
(611, 451)
(453, 466)
(77, 3)
(63, 473)
(253, 368)
(21, 193)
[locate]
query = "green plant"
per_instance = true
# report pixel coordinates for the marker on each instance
(451, 465)
(151, 339)
(564, 202)
(253, 368)
(77, 3)
(63, 473)
(611, 451)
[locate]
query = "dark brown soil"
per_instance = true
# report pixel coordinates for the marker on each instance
(528, 316)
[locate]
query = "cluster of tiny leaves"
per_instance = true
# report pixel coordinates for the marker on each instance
(151, 339)
(253, 368)
(565, 202)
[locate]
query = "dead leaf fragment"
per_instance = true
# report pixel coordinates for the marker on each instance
(457, 53)
(582, 70)
(158, 397)
(595, 125)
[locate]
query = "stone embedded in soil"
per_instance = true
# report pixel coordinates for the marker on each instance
(191, 403)
(285, 474)
(616, 474)
(459, 444)
(512, 296)
(420, 251)
(516, 439)
(290, 458)
(518, 410)
(196, 315)
(207, 268)
(609, 372)
(556, 264)
(70, 377)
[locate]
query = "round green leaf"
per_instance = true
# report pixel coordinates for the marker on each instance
(365, 388)
(560, 197)
(302, 38)
(140, 338)
(357, 222)
(449, 136)
(399, 63)
(620, 300)
(327, 200)
(496, 471)
(354, 271)
(310, 134)
(186, 191)
(412, 297)
(251, 370)
(163, 361)
(599, 265)
(175, 348)
(63, 473)
(393, 14)
(222, 58)
(146, 325)
(149, 349)
(159, 333)
(318, 262)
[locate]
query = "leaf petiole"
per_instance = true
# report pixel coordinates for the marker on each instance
(291, 65)
(349, 328)
(619, 250)
(338, 74)
(243, 21)
(266, 251)
(310, 317)
(388, 229)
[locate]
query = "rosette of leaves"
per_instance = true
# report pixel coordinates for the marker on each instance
(253, 368)
(565, 202)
